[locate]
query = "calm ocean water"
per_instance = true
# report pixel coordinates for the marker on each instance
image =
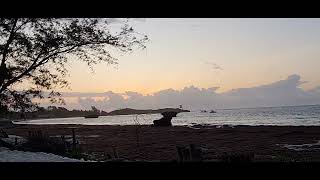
(279, 116)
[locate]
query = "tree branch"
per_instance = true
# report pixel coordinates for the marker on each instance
(10, 39)
(33, 67)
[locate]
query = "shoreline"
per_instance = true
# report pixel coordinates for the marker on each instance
(193, 125)
(146, 143)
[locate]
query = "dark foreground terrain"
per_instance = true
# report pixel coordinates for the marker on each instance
(264, 143)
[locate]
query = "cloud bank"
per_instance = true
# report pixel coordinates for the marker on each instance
(280, 93)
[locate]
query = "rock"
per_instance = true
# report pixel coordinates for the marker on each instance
(166, 119)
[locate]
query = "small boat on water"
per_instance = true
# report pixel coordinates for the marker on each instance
(91, 116)
(203, 111)
(212, 111)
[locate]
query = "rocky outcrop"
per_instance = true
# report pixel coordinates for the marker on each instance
(166, 119)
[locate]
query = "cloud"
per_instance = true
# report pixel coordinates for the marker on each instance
(114, 20)
(213, 65)
(139, 19)
(283, 92)
(279, 93)
(315, 91)
(121, 20)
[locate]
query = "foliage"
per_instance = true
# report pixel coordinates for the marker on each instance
(41, 142)
(36, 51)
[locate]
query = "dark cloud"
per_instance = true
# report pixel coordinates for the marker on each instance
(213, 65)
(283, 92)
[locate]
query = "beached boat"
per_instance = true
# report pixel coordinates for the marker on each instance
(91, 116)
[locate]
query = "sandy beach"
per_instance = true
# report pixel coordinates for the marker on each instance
(146, 143)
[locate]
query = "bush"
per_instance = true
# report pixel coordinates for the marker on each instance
(41, 142)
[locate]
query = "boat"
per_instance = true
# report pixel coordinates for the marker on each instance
(203, 111)
(212, 111)
(91, 116)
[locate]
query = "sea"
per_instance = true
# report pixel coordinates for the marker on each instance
(308, 115)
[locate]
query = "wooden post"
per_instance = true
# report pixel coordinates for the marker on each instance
(64, 141)
(115, 153)
(195, 153)
(186, 154)
(180, 155)
(73, 139)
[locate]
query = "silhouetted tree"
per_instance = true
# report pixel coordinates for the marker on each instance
(94, 109)
(3, 111)
(35, 51)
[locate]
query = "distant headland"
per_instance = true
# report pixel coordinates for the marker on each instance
(128, 111)
(61, 112)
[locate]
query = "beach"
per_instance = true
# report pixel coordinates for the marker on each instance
(147, 143)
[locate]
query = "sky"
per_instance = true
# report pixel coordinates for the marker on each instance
(218, 56)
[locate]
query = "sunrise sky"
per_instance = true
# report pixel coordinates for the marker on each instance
(225, 53)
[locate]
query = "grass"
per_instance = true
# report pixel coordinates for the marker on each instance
(41, 142)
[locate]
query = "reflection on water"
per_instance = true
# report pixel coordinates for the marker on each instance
(281, 116)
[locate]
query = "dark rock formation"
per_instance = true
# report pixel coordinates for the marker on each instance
(166, 119)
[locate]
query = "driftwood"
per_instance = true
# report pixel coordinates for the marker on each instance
(74, 141)
(115, 153)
